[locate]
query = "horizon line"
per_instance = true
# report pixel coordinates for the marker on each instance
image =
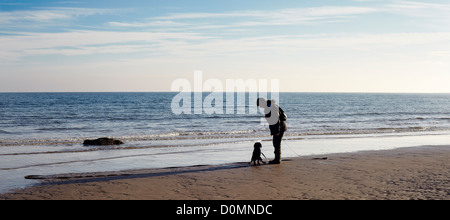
(336, 92)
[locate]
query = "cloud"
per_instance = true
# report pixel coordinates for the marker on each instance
(247, 18)
(305, 44)
(418, 5)
(187, 34)
(438, 13)
(299, 16)
(283, 13)
(170, 45)
(46, 16)
(420, 9)
(146, 24)
(16, 47)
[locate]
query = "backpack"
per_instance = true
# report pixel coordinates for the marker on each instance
(283, 116)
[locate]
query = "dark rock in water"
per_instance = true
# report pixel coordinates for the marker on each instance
(102, 142)
(34, 177)
(321, 158)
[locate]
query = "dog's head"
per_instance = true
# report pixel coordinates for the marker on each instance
(257, 145)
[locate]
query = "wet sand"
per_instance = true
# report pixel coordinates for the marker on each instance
(401, 174)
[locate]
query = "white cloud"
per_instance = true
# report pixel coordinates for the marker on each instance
(42, 16)
(293, 12)
(420, 9)
(183, 44)
(418, 5)
(251, 18)
(15, 47)
(197, 46)
(146, 24)
(440, 53)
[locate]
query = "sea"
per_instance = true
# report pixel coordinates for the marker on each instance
(43, 133)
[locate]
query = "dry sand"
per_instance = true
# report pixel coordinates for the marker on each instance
(407, 173)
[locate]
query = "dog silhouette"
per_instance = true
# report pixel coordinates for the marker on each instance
(256, 156)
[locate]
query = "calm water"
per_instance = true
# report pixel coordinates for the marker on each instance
(52, 118)
(42, 133)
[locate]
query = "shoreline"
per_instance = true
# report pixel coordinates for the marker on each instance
(404, 173)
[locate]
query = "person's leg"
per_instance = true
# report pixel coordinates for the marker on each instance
(277, 146)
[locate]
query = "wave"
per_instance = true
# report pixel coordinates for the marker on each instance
(181, 137)
(376, 131)
(63, 129)
(35, 142)
(363, 114)
(186, 134)
(129, 147)
(195, 139)
(134, 138)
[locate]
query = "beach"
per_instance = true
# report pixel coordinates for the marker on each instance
(171, 100)
(205, 156)
(417, 173)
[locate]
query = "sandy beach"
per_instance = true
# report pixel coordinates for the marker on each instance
(401, 174)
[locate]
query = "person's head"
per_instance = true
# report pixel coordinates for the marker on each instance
(264, 103)
(261, 102)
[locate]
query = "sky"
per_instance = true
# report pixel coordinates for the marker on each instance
(142, 46)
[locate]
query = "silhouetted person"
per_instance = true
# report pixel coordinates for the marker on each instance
(276, 118)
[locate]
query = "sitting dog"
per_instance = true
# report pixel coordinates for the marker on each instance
(256, 156)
